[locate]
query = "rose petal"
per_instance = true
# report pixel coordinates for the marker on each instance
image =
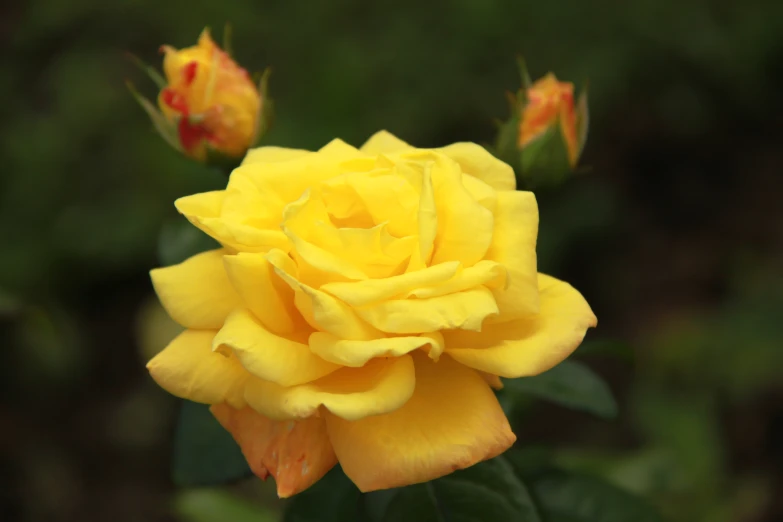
(476, 161)
(197, 292)
(188, 368)
(360, 293)
(452, 421)
(380, 386)
(514, 247)
(267, 355)
(531, 345)
(269, 298)
(384, 142)
(357, 353)
(295, 453)
(466, 310)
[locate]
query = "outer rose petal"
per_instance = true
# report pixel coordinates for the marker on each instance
(295, 453)
(514, 246)
(384, 142)
(532, 345)
(452, 421)
(380, 386)
(272, 155)
(204, 211)
(267, 355)
(197, 292)
(188, 368)
(478, 162)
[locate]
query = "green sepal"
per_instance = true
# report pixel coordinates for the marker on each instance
(544, 161)
(150, 71)
(227, 39)
(166, 129)
(582, 122)
(524, 75)
(266, 112)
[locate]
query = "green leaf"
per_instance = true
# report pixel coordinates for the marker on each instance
(568, 497)
(582, 121)
(334, 498)
(570, 384)
(204, 453)
(210, 505)
(178, 240)
(486, 492)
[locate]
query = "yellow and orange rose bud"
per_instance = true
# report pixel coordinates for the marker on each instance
(211, 108)
(362, 307)
(547, 131)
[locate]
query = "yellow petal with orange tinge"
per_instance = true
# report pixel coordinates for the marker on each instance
(268, 356)
(514, 247)
(452, 421)
(356, 353)
(188, 368)
(531, 345)
(272, 155)
(269, 298)
(380, 386)
(466, 310)
(360, 293)
(295, 453)
(476, 161)
(384, 142)
(197, 292)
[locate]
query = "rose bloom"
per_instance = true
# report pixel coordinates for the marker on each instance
(210, 98)
(363, 306)
(550, 102)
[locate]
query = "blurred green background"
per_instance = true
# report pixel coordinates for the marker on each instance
(675, 235)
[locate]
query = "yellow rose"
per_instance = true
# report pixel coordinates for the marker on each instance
(210, 98)
(363, 304)
(550, 102)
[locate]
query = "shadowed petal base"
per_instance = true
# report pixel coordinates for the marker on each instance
(295, 453)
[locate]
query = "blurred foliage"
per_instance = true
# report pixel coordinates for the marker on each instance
(673, 233)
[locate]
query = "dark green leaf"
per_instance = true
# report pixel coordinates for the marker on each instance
(178, 240)
(486, 492)
(210, 505)
(567, 497)
(606, 347)
(570, 384)
(334, 498)
(204, 453)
